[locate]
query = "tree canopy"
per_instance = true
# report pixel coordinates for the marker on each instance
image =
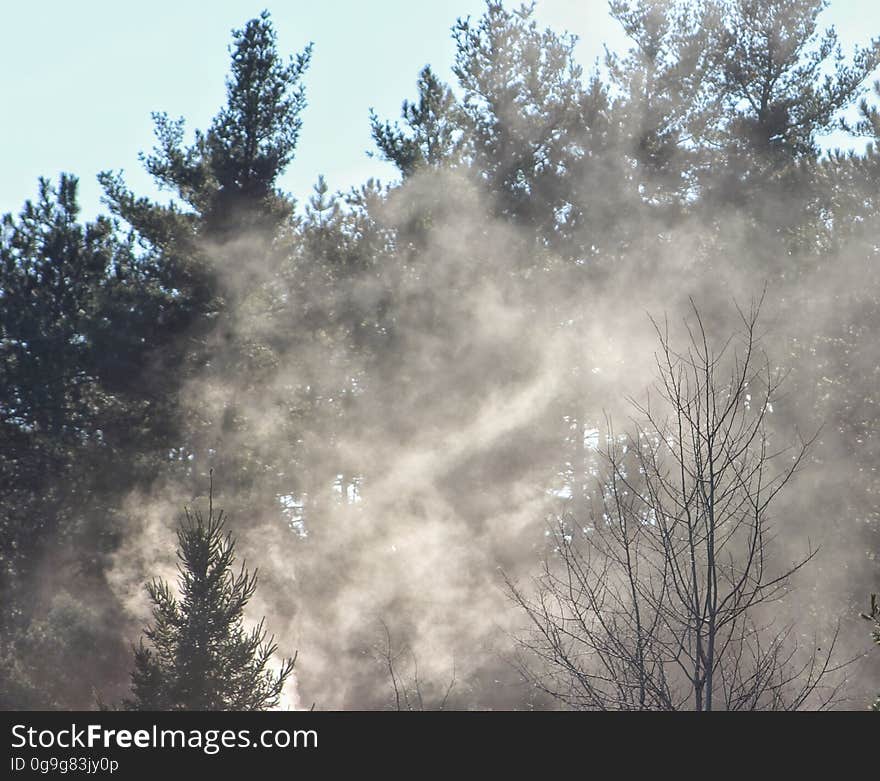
(400, 383)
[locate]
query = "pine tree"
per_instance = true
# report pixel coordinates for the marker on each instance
(198, 655)
(431, 135)
(74, 306)
(220, 248)
(521, 110)
(226, 179)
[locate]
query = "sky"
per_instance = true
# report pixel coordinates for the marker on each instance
(80, 79)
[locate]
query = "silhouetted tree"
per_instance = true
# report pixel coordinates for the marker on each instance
(409, 690)
(198, 655)
(534, 202)
(74, 304)
(665, 602)
(221, 248)
(432, 133)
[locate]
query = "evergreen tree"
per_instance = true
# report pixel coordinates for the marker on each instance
(221, 248)
(198, 655)
(75, 307)
(226, 179)
(784, 82)
(521, 111)
(664, 98)
(432, 134)
(691, 163)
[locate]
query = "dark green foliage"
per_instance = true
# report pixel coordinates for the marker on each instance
(433, 129)
(224, 182)
(783, 80)
(60, 284)
(521, 108)
(254, 136)
(665, 96)
(226, 327)
(198, 656)
(53, 269)
(228, 175)
(223, 243)
(71, 343)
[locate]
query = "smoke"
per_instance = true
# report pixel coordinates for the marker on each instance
(456, 452)
(391, 492)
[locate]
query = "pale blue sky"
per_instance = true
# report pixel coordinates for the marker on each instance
(81, 78)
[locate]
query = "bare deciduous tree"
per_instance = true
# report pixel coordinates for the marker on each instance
(666, 599)
(408, 688)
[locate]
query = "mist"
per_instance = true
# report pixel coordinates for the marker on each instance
(399, 388)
